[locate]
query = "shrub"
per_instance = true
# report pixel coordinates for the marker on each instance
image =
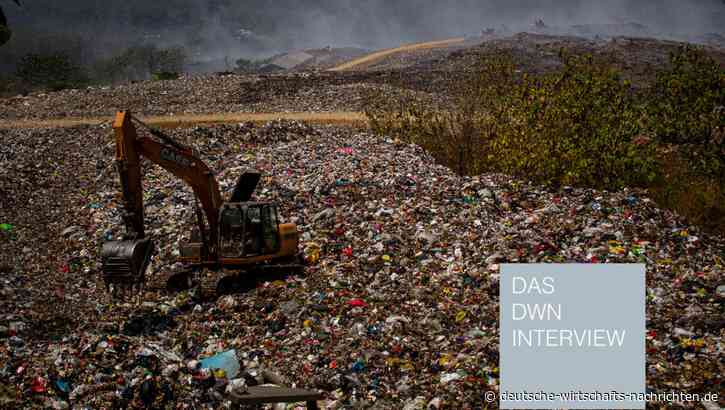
(11, 86)
(579, 125)
(169, 60)
(686, 115)
(164, 75)
(461, 137)
(582, 125)
(51, 71)
(5, 34)
(686, 110)
(141, 63)
(244, 65)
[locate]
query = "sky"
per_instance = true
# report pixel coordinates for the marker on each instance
(257, 27)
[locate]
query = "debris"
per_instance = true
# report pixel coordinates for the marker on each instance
(226, 361)
(407, 316)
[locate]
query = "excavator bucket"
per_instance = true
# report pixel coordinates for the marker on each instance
(125, 262)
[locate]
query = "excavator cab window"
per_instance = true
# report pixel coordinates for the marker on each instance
(270, 230)
(253, 231)
(250, 230)
(231, 230)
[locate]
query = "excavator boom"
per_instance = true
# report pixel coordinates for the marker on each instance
(125, 262)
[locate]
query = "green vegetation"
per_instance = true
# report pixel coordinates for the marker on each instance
(246, 66)
(5, 34)
(164, 75)
(53, 71)
(583, 125)
(50, 71)
(686, 116)
(141, 63)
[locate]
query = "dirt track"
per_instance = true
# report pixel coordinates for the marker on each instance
(379, 55)
(339, 117)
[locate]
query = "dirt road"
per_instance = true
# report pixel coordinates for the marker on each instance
(187, 120)
(379, 55)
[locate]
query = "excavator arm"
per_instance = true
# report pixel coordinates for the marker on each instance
(125, 262)
(171, 156)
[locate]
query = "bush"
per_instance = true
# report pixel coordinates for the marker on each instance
(576, 126)
(686, 114)
(582, 125)
(8, 86)
(244, 65)
(461, 137)
(687, 111)
(5, 34)
(169, 60)
(51, 71)
(141, 63)
(164, 75)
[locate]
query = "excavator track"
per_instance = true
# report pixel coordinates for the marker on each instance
(170, 281)
(212, 284)
(205, 281)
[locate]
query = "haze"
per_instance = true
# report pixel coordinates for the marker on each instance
(252, 28)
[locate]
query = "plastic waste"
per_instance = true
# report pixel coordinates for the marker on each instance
(357, 303)
(62, 386)
(237, 386)
(450, 377)
(400, 317)
(226, 361)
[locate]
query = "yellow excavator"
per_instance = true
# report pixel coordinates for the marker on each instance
(231, 239)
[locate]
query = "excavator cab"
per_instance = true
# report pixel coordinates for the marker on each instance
(249, 230)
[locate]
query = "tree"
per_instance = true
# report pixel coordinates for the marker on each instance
(141, 63)
(5, 32)
(54, 71)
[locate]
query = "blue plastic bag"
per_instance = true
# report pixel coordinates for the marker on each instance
(226, 361)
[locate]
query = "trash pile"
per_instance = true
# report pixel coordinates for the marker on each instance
(398, 308)
(280, 131)
(203, 94)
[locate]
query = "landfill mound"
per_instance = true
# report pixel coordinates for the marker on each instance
(421, 74)
(399, 308)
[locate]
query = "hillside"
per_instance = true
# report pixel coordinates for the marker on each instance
(415, 73)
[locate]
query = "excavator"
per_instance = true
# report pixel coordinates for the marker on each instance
(238, 235)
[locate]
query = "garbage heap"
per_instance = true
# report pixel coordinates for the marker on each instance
(398, 308)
